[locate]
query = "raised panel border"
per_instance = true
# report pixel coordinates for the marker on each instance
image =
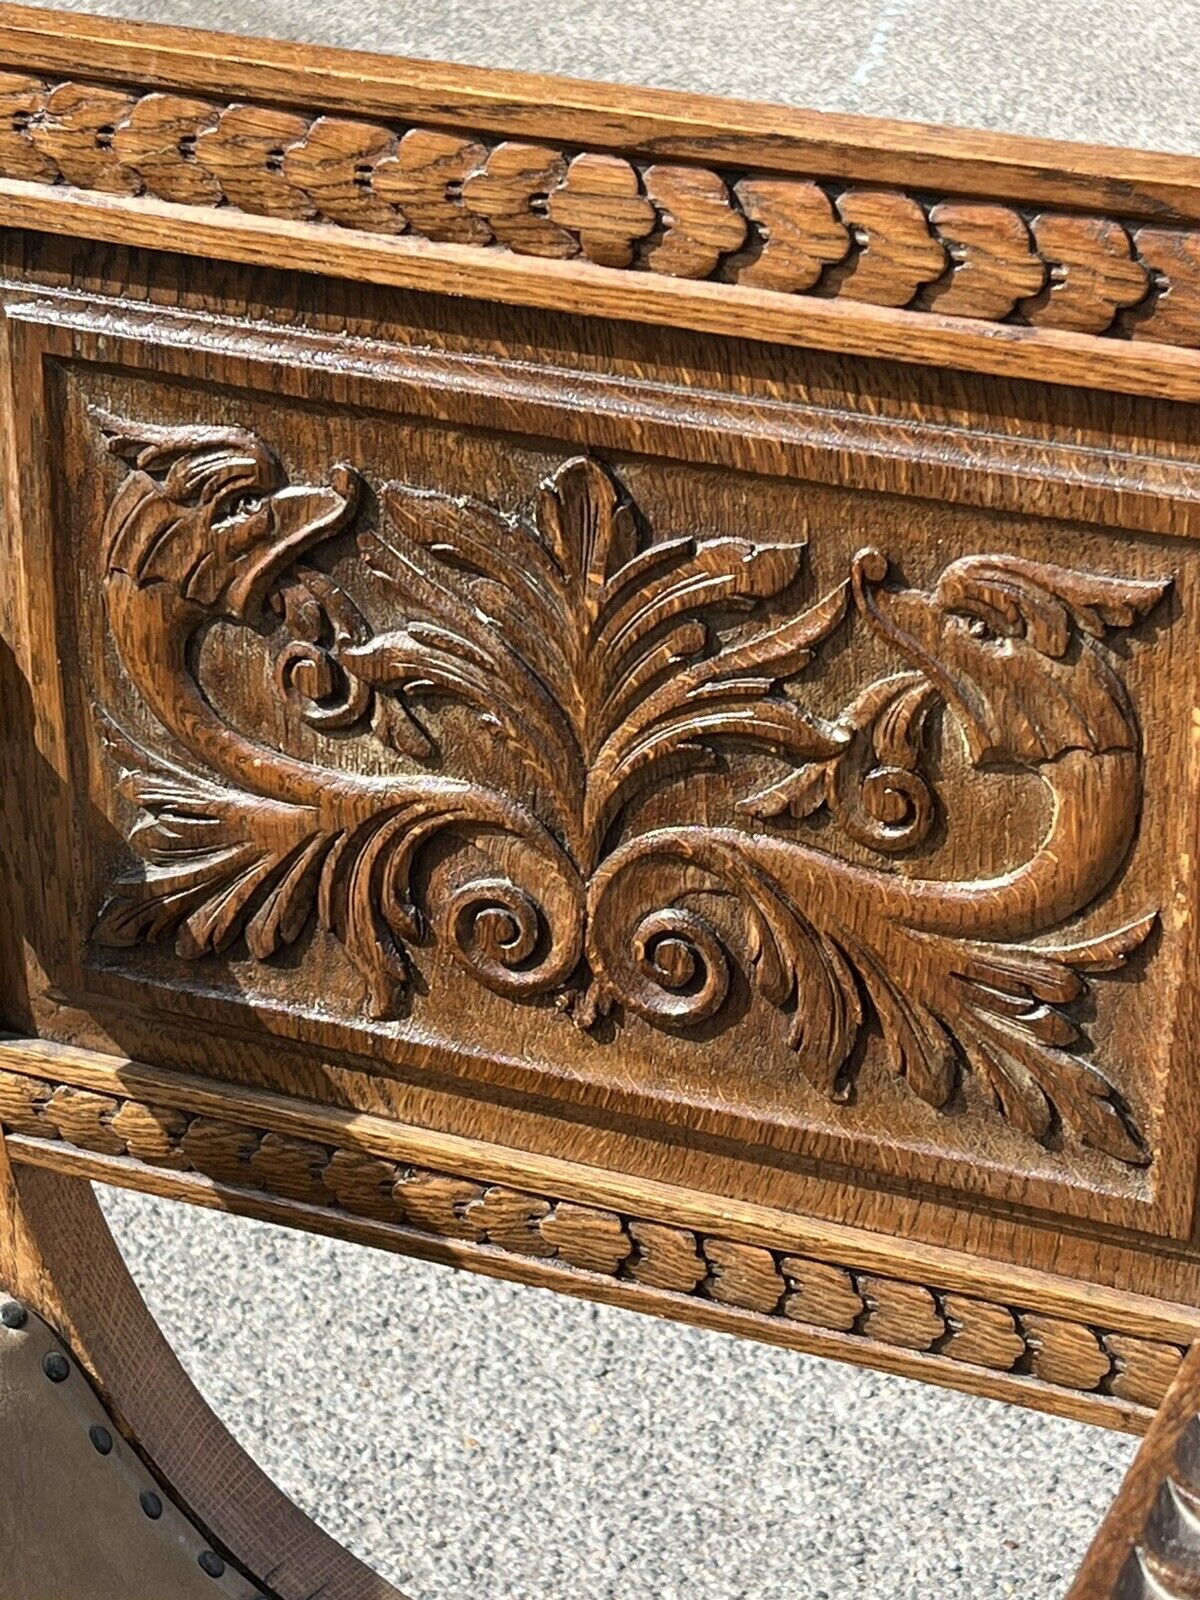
(52, 327)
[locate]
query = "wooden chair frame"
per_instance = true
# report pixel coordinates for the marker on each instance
(673, 348)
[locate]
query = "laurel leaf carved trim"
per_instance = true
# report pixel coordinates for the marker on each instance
(772, 1283)
(980, 260)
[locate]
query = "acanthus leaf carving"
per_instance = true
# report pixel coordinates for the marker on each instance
(609, 663)
(873, 784)
(582, 648)
(209, 852)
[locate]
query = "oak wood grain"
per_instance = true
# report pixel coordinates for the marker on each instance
(1020, 1184)
(766, 550)
(1056, 355)
(1059, 1387)
(153, 1098)
(761, 235)
(981, 261)
(658, 122)
(124, 1535)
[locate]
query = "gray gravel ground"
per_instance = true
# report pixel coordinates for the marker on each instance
(472, 1439)
(481, 1441)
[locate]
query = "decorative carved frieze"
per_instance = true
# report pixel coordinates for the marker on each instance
(877, 246)
(602, 663)
(773, 1283)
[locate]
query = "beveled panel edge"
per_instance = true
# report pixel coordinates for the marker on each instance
(765, 436)
(926, 1312)
(981, 284)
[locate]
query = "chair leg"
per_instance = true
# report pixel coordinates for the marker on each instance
(77, 1524)
(1148, 1546)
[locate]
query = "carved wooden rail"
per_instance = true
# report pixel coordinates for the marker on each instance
(877, 246)
(943, 1326)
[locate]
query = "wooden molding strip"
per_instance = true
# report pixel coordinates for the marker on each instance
(890, 248)
(818, 260)
(946, 461)
(478, 1159)
(1074, 1351)
(253, 1151)
(1002, 349)
(654, 122)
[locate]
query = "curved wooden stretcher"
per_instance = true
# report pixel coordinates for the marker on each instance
(601, 687)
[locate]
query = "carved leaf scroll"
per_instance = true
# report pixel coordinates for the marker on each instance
(609, 663)
(222, 865)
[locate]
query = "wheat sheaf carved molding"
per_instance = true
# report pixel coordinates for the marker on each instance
(604, 664)
(878, 246)
(657, 1256)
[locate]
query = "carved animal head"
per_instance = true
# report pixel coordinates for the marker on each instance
(208, 511)
(1009, 644)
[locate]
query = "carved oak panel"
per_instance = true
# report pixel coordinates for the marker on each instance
(840, 825)
(592, 656)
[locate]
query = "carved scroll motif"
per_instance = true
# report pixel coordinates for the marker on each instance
(603, 665)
